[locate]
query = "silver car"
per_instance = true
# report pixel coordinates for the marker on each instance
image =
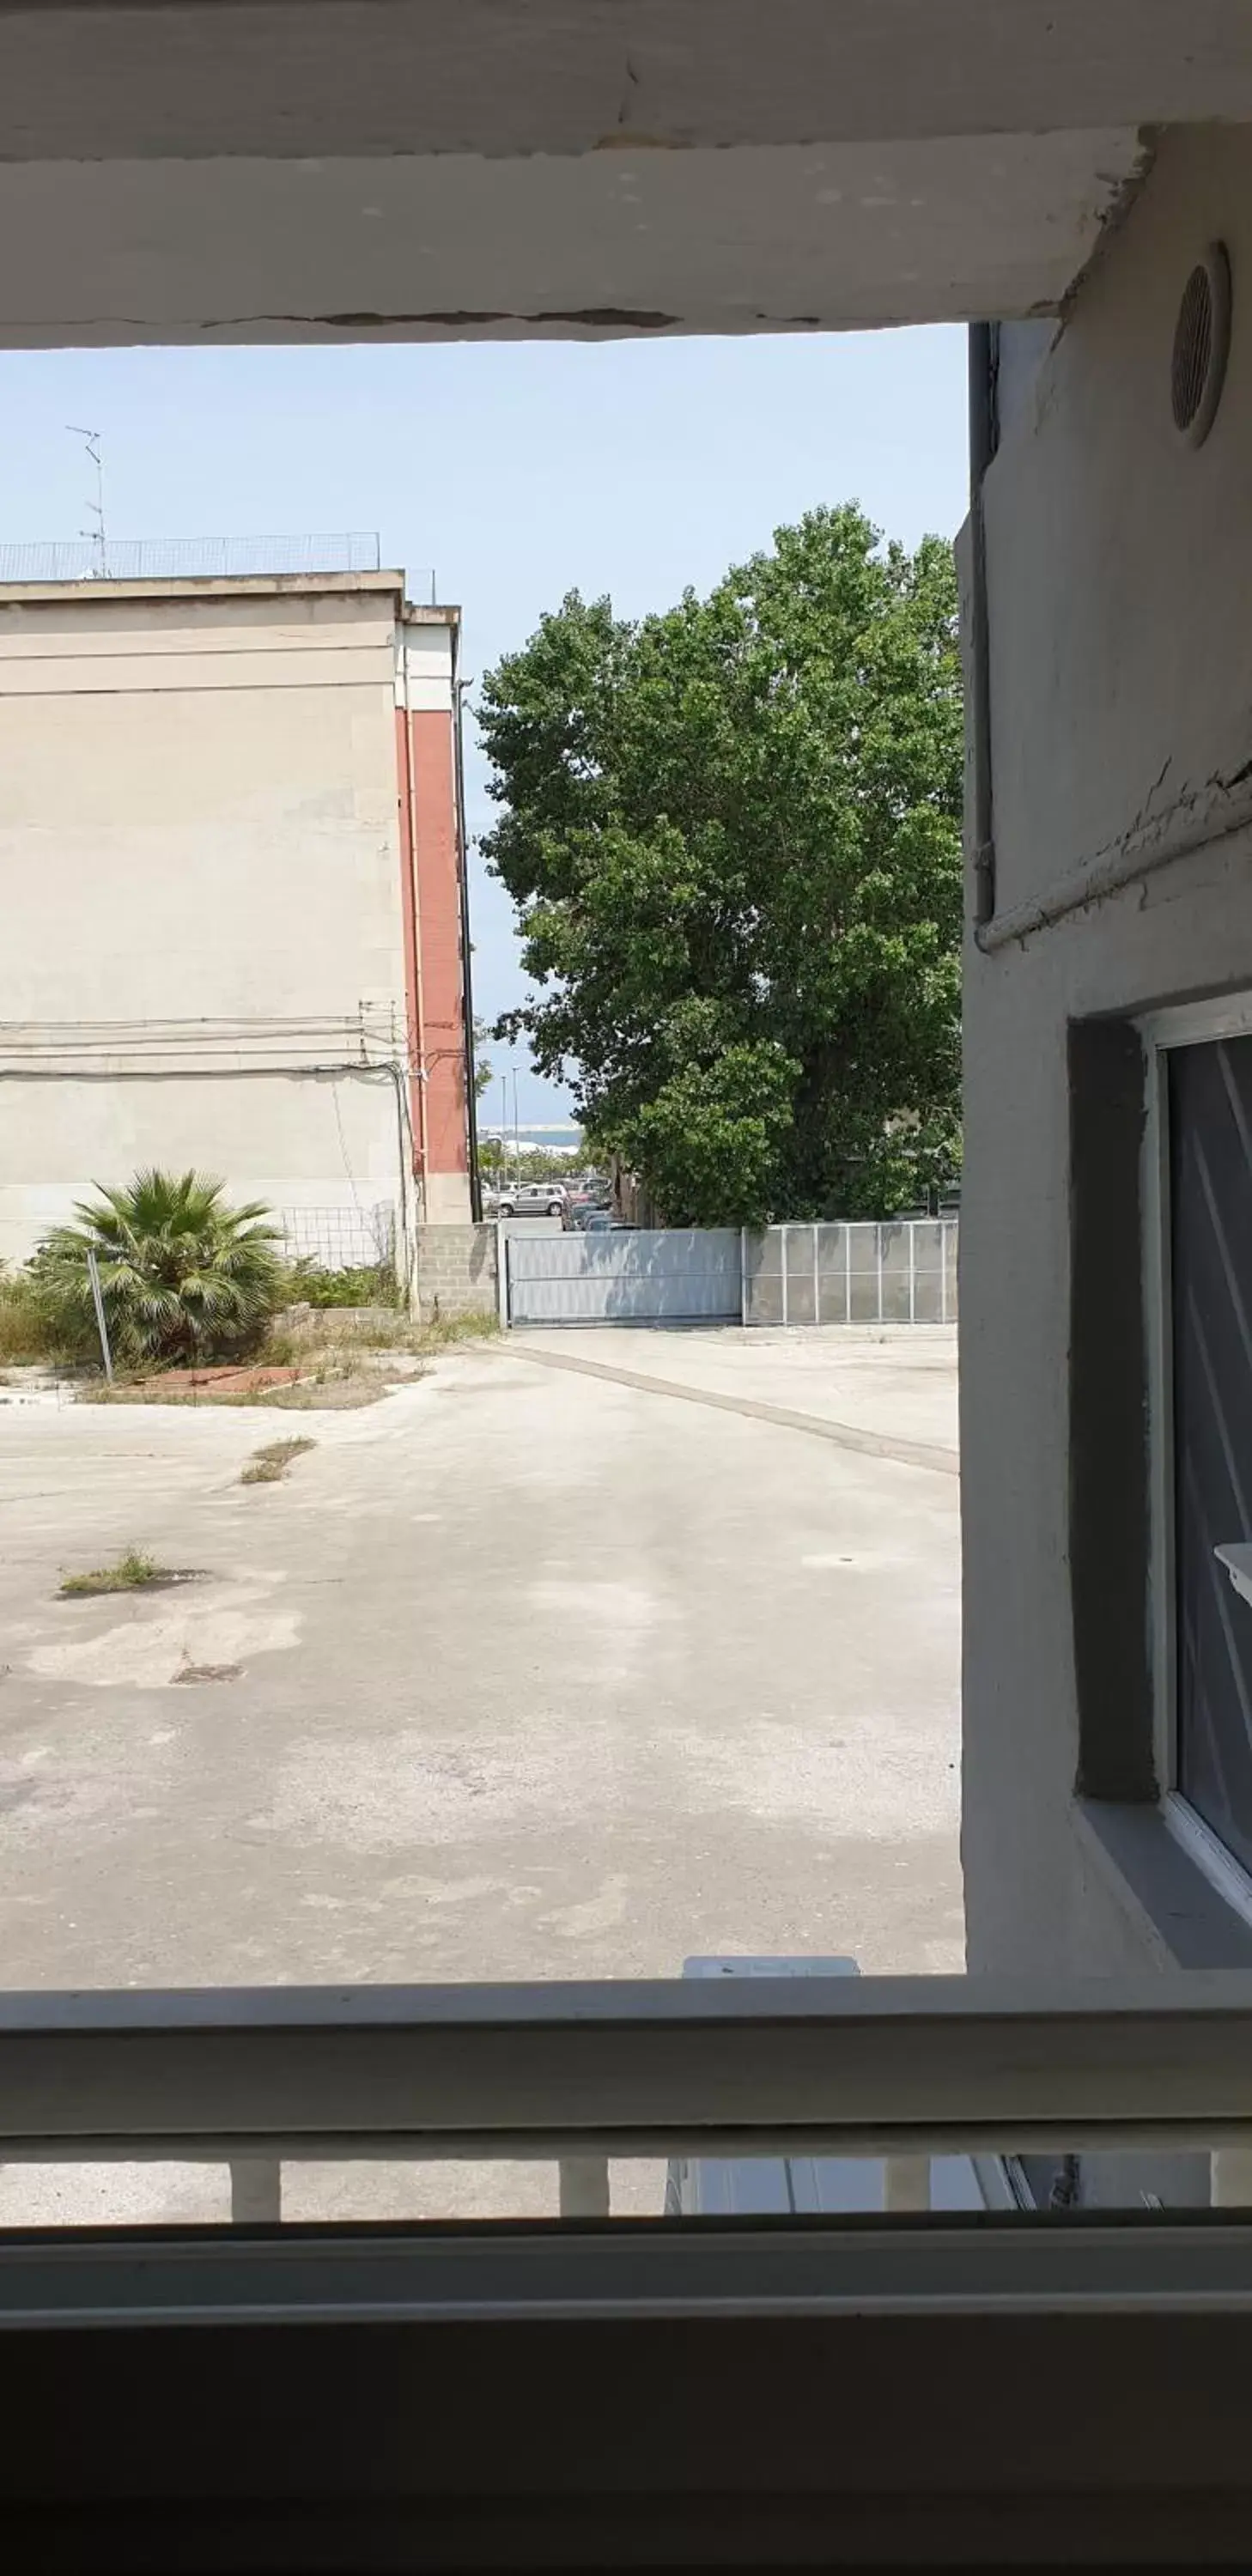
(533, 1198)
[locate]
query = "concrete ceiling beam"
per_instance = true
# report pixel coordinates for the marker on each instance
(513, 77)
(190, 170)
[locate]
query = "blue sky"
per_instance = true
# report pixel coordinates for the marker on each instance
(517, 472)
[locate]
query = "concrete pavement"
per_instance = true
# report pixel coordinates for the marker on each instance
(537, 1675)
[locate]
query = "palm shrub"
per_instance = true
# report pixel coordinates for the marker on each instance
(185, 1277)
(37, 1326)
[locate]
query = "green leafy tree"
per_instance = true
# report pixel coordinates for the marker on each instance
(732, 835)
(184, 1276)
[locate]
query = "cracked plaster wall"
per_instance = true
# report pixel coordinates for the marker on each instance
(258, 169)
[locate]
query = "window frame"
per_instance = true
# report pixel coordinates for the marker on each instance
(1162, 1032)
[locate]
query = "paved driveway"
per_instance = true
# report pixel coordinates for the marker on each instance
(539, 1673)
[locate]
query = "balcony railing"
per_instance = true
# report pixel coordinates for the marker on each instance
(904, 2069)
(898, 2390)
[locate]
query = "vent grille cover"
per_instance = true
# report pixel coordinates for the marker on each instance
(1201, 346)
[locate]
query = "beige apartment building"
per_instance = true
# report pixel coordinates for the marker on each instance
(232, 887)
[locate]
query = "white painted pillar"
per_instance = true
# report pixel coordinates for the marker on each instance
(256, 2191)
(1230, 2178)
(584, 2187)
(906, 2183)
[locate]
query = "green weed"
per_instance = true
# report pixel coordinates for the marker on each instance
(270, 1464)
(133, 1572)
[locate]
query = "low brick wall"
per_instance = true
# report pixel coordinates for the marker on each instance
(456, 1270)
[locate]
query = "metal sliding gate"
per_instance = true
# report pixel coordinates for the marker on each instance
(671, 1276)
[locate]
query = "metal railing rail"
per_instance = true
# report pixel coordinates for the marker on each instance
(230, 558)
(873, 2066)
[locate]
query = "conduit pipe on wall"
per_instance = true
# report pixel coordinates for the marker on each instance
(412, 909)
(467, 977)
(982, 444)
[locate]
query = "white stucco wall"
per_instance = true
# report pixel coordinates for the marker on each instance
(201, 894)
(1119, 576)
(298, 1141)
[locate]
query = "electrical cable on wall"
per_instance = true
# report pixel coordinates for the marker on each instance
(343, 1148)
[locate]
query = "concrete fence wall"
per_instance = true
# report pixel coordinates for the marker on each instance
(456, 1271)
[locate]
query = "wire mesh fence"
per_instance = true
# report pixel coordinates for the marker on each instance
(336, 1238)
(900, 1273)
(191, 558)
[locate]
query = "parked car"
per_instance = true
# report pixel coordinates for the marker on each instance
(533, 1198)
(602, 1221)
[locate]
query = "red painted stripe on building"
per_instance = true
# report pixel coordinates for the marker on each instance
(406, 806)
(439, 940)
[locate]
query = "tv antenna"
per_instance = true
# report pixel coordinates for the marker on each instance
(95, 449)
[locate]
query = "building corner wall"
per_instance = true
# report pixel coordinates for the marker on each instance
(1119, 566)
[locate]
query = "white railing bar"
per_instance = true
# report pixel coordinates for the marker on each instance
(885, 2064)
(1198, 2132)
(1157, 2003)
(633, 2270)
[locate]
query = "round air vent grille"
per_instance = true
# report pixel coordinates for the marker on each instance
(1201, 346)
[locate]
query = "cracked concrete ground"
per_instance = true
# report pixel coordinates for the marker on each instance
(539, 1674)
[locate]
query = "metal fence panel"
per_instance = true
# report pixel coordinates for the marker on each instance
(800, 1250)
(902, 1272)
(896, 1242)
(338, 1238)
(672, 1275)
(762, 1276)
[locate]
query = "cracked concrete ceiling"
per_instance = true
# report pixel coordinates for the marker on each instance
(414, 169)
